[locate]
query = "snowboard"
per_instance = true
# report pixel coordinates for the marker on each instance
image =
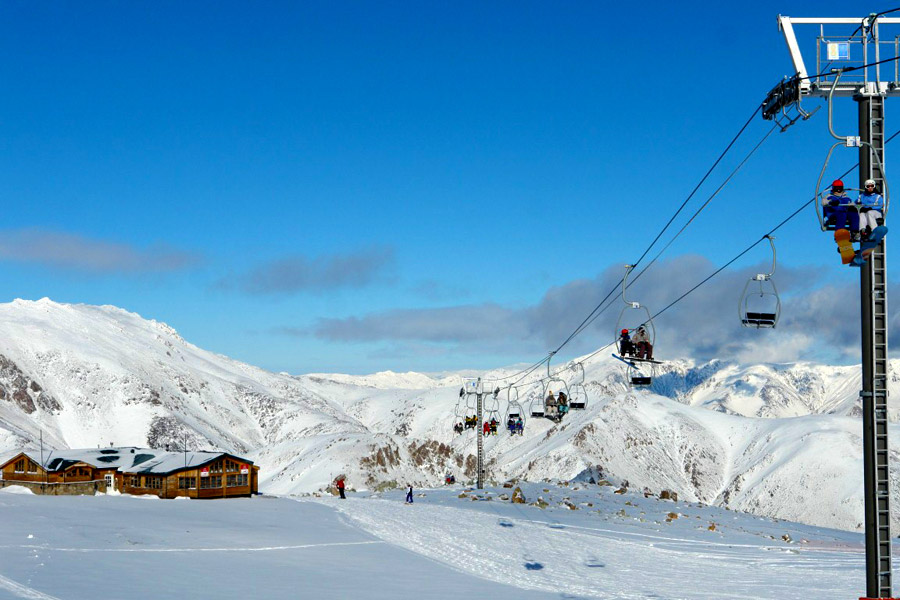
(845, 247)
(867, 247)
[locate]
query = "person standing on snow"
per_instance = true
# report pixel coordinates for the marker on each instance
(409, 499)
(340, 486)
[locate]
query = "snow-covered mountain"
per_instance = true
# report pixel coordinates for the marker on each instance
(775, 440)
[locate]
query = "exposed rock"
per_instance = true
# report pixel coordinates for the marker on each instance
(518, 497)
(23, 391)
(668, 495)
(540, 503)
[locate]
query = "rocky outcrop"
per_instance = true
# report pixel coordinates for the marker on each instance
(23, 391)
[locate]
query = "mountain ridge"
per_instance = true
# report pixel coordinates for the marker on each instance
(781, 440)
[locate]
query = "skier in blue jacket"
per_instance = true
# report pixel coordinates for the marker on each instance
(871, 207)
(839, 205)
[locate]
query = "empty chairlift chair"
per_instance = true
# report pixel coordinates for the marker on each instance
(760, 305)
(536, 406)
(578, 399)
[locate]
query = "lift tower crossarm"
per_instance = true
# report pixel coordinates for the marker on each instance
(819, 83)
(785, 24)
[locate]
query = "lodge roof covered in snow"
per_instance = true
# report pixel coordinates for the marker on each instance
(126, 459)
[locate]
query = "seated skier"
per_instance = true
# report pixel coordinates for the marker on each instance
(644, 347)
(871, 208)
(838, 208)
(626, 346)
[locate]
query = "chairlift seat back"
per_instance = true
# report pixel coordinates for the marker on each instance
(640, 380)
(758, 319)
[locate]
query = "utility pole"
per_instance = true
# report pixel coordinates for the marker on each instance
(869, 89)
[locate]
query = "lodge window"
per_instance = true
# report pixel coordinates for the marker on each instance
(210, 482)
(154, 483)
(215, 467)
(237, 480)
(231, 466)
(187, 483)
(135, 481)
(24, 463)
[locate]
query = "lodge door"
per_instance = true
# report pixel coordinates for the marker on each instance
(110, 482)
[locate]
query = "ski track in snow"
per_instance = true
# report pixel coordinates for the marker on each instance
(22, 591)
(511, 548)
(260, 549)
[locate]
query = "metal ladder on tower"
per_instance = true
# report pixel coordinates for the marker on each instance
(873, 294)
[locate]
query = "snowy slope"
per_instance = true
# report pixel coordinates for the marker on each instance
(776, 440)
(576, 541)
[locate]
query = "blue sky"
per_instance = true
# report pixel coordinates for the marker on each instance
(408, 186)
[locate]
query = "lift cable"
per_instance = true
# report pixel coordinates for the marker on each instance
(754, 244)
(714, 273)
(598, 310)
(586, 320)
(699, 210)
(847, 69)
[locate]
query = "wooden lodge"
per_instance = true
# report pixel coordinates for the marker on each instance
(132, 471)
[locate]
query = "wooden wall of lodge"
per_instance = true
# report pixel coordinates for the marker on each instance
(169, 484)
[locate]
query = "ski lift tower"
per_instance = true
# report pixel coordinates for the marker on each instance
(476, 387)
(849, 61)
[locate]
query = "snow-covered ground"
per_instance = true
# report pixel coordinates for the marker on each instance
(587, 542)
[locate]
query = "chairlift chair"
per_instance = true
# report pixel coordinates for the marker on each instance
(578, 399)
(536, 406)
(561, 385)
(764, 310)
(634, 377)
(513, 408)
(626, 317)
(848, 141)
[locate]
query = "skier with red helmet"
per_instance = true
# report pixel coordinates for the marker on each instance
(840, 208)
(625, 344)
